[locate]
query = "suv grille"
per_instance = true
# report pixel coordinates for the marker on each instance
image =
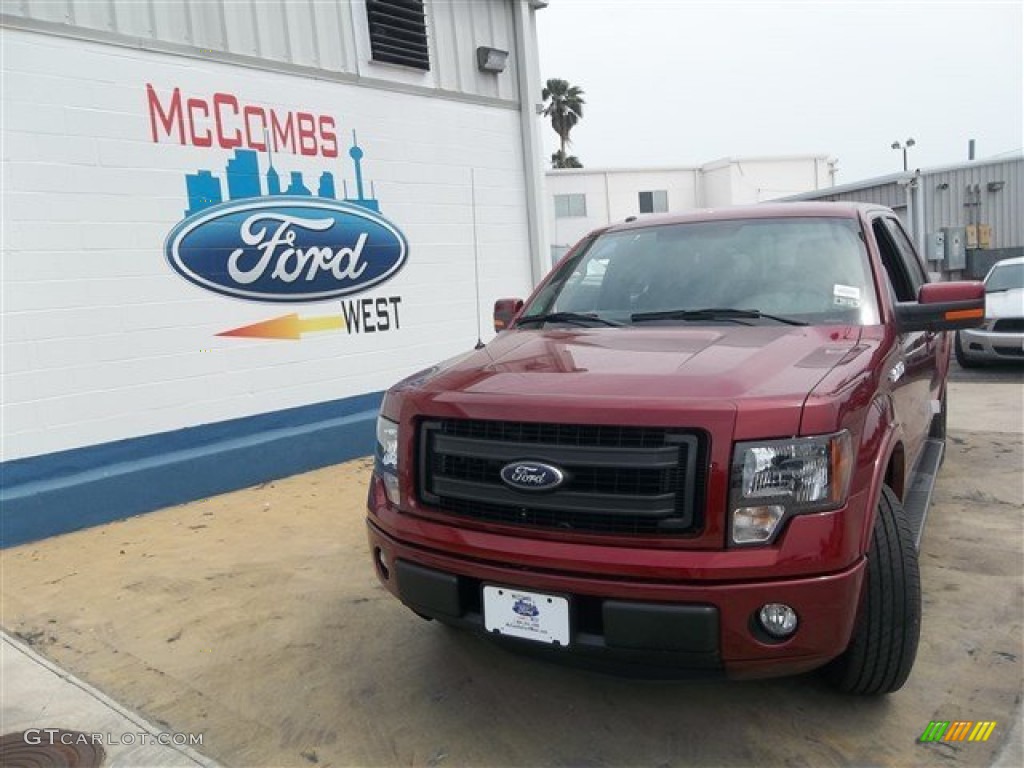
(623, 480)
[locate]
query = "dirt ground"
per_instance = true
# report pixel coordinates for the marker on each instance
(255, 618)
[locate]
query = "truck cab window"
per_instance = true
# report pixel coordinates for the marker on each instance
(901, 279)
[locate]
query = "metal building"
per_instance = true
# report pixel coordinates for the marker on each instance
(963, 217)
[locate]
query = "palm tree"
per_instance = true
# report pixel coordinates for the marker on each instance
(563, 103)
(560, 160)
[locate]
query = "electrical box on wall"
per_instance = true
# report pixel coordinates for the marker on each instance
(956, 247)
(972, 236)
(936, 246)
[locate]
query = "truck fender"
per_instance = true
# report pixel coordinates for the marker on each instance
(880, 422)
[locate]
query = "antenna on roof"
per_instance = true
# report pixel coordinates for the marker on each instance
(476, 259)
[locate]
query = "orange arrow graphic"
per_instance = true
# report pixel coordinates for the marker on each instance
(287, 327)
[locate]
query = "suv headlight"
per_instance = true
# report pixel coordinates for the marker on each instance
(385, 462)
(773, 479)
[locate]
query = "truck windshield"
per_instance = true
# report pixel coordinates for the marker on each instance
(800, 271)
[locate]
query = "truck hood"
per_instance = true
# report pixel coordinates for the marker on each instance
(679, 363)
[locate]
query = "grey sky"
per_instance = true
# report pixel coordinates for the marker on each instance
(669, 82)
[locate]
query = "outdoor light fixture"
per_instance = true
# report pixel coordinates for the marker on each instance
(995, 186)
(943, 186)
(491, 59)
(904, 146)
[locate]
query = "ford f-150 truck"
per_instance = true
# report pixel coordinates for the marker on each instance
(706, 443)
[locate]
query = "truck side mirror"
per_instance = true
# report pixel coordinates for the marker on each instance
(943, 307)
(505, 311)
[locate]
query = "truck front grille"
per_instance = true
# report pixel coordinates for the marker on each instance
(619, 480)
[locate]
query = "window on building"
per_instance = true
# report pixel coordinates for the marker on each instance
(570, 206)
(654, 202)
(398, 32)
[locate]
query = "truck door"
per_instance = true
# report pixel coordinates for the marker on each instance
(916, 381)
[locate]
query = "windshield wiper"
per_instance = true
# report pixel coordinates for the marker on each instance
(573, 318)
(713, 313)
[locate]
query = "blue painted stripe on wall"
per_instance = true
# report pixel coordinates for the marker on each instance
(66, 491)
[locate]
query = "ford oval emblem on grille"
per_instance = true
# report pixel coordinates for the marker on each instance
(532, 476)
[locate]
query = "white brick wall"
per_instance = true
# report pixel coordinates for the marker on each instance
(101, 340)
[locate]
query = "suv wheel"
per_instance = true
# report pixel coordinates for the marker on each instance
(884, 643)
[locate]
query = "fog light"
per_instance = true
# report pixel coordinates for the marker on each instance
(778, 619)
(754, 524)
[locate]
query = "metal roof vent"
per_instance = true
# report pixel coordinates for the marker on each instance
(398, 32)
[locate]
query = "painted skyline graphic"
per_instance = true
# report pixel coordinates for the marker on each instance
(244, 181)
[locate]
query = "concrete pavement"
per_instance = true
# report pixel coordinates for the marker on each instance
(38, 695)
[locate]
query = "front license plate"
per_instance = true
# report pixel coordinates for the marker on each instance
(529, 615)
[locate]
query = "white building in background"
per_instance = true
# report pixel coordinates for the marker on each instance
(579, 200)
(228, 226)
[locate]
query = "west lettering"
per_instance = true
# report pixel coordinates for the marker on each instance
(351, 311)
(366, 304)
(383, 318)
(371, 315)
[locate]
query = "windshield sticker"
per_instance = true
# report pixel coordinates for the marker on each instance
(846, 295)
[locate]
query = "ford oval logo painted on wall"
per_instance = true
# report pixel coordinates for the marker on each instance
(532, 476)
(286, 249)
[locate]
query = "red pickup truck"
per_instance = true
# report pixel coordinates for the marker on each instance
(706, 443)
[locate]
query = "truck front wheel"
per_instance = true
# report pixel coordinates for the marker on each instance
(884, 643)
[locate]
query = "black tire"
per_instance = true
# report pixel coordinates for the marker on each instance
(961, 355)
(884, 643)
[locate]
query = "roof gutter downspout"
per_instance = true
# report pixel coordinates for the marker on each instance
(914, 195)
(920, 229)
(529, 79)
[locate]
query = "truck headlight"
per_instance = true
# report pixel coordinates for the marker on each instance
(385, 462)
(774, 479)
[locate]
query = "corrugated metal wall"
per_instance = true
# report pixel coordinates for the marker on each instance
(891, 195)
(983, 192)
(949, 202)
(326, 35)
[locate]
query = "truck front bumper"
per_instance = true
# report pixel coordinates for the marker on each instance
(682, 626)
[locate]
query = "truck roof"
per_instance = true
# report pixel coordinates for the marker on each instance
(759, 211)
